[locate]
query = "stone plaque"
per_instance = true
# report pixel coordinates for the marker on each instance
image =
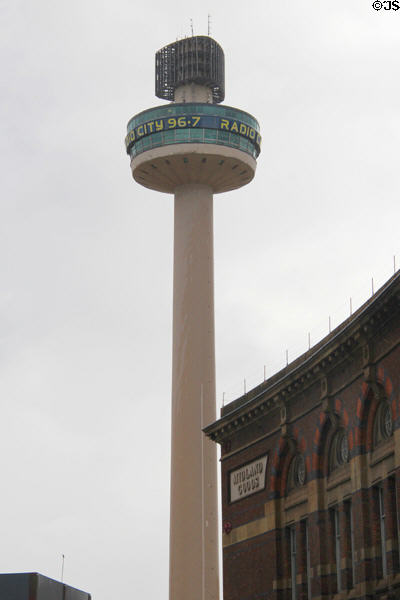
(249, 479)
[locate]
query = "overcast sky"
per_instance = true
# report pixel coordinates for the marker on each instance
(86, 253)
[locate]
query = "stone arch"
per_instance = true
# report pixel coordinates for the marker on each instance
(373, 395)
(329, 425)
(285, 451)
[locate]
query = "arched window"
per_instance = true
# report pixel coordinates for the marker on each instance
(383, 423)
(339, 450)
(297, 473)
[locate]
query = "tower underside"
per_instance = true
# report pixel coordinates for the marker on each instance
(164, 169)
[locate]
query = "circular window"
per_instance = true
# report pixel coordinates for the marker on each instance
(383, 425)
(297, 473)
(300, 470)
(339, 452)
(386, 421)
(343, 449)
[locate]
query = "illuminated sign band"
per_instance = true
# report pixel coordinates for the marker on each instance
(249, 479)
(192, 122)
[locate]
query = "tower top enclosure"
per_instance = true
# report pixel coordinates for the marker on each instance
(197, 59)
(194, 138)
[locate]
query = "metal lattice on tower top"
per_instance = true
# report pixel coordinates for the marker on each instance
(197, 59)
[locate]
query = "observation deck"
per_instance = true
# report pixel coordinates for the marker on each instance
(193, 141)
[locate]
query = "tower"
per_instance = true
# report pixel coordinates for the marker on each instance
(193, 148)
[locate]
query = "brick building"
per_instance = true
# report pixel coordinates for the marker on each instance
(310, 465)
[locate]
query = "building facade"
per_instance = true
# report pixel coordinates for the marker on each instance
(310, 465)
(34, 586)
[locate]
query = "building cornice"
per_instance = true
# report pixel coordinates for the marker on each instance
(353, 334)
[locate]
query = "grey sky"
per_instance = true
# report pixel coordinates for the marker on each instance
(86, 254)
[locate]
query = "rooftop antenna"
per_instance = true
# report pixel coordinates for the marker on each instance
(191, 26)
(209, 24)
(62, 568)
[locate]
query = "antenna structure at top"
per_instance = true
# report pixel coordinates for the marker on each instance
(198, 59)
(191, 26)
(209, 25)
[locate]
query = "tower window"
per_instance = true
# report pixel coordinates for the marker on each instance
(335, 523)
(306, 559)
(293, 560)
(349, 543)
(382, 526)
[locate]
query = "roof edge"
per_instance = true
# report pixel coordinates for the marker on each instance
(309, 364)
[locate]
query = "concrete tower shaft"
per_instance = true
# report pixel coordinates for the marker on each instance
(193, 148)
(194, 509)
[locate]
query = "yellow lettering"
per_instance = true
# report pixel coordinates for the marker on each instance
(139, 130)
(252, 134)
(242, 129)
(130, 138)
(258, 140)
(224, 124)
(150, 126)
(234, 127)
(159, 125)
(195, 120)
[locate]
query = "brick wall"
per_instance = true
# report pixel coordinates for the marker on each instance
(302, 419)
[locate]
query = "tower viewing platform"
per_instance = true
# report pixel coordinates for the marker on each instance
(212, 144)
(193, 139)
